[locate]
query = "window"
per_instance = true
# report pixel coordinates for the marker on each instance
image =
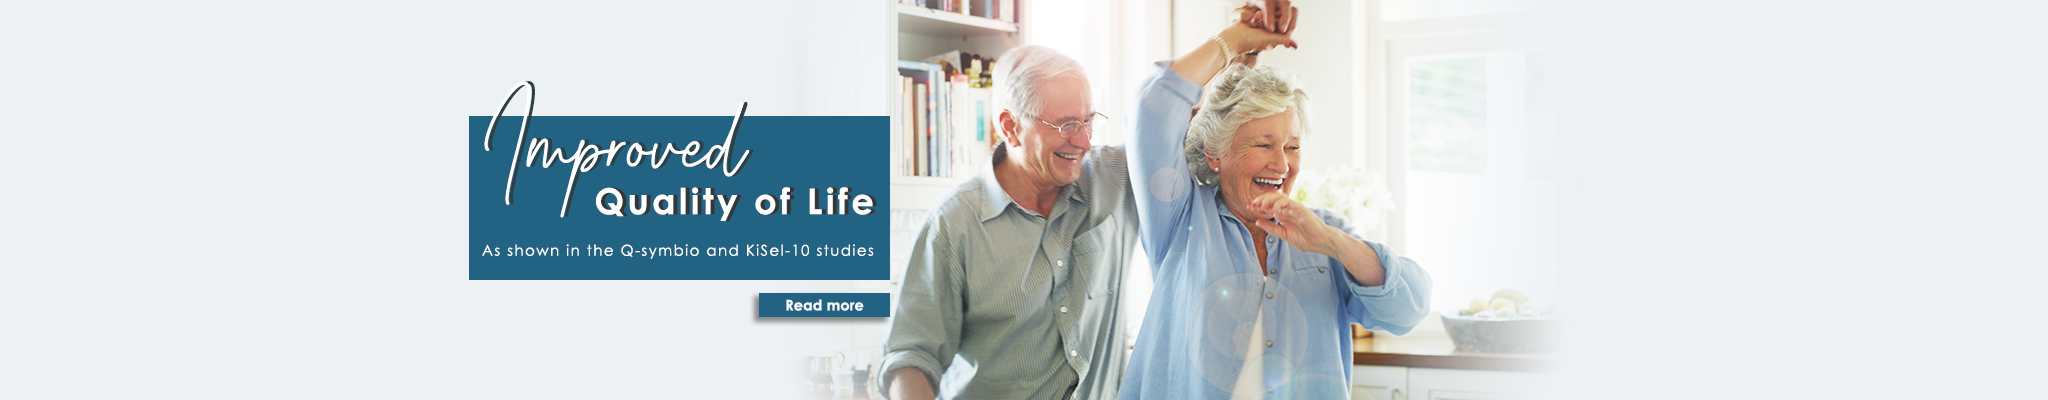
(1471, 122)
(1447, 115)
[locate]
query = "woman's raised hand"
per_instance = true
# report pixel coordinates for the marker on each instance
(1277, 16)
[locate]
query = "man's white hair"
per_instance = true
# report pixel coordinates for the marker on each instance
(1237, 95)
(1018, 74)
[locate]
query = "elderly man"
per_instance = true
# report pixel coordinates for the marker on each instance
(1011, 291)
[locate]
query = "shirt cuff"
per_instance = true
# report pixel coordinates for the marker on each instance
(907, 359)
(1188, 91)
(1387, 287)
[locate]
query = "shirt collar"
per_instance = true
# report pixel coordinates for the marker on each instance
(1220, 209)
(1225, 210)
(999, 200)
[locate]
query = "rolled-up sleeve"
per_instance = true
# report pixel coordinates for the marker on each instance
(1159, 176)
(925, 332)
(1398, 304)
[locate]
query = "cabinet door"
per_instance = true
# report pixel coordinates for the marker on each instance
(1465, 384)
(1378, 382)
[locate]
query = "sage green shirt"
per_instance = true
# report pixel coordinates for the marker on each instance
(999, 302)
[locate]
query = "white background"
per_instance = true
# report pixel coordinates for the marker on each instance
(266, 200)
(260, 200)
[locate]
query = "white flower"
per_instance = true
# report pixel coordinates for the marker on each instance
(1359, 194)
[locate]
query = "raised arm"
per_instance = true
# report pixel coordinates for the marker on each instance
(1247, 33)
(1159, 179)
(1159, 123)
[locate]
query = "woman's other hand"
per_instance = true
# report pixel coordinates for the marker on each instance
(1300, 227)
(1296, 223)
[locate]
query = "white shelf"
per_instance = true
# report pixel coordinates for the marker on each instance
(920, 192)
(942, 182)
(925, 21)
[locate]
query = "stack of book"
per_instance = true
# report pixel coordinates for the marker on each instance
(1005, 10)
(945, 121)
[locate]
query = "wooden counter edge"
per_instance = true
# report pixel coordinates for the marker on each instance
(1496, 363)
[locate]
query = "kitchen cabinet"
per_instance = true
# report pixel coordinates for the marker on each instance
(1466, 384)
(1379, 382)
(1426, 366)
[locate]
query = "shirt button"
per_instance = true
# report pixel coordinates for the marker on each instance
(1072, 353)
(1269, 343)
(1269, 239)
(1060, 263)
(1269, 295)
(1273, 271)
(1319, 269)
(1063, 309)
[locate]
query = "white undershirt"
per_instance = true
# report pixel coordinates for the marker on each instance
(1251, 379)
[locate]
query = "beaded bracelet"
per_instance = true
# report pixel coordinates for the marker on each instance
(1226, 48)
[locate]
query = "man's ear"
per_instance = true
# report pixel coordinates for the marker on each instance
(1010, 128)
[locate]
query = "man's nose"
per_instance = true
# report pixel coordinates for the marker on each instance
(1082, 137)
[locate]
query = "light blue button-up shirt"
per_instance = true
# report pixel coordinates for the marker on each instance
(1208, 290)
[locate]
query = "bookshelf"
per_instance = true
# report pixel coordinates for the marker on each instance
(922, 32)
(926, 21)
(914, 34)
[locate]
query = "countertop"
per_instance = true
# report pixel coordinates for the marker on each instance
(1436, 351)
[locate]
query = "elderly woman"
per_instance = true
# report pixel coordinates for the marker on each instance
(1254, 292)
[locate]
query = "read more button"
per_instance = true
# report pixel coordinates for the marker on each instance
(785, 305)
(820, 305)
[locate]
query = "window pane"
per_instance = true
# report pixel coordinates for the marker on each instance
(1481, 203)
(1539, 118)
(1447, 115)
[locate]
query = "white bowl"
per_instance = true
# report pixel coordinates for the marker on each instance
(1501, 335)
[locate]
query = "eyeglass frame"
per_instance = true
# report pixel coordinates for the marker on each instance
(1087, 125)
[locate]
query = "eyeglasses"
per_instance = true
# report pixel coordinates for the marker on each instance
(1070, 128)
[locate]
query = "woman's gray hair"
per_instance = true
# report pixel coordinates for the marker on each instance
(1237, 95)
(1018, 74)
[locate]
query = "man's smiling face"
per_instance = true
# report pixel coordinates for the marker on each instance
(1049, 159)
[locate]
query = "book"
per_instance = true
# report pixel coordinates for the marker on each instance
(970, 117)
(905, 126)
(927, 91)
(947, 122)
(982, 8)
(935, 93)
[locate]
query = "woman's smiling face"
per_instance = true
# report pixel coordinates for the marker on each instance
(1262, 157)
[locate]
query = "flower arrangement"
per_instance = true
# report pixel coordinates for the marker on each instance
(1359, 194)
